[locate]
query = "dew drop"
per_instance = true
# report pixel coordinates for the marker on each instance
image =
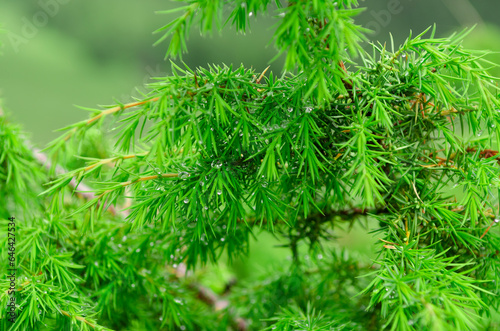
(219, 192)
(183, 175)
(308, 109)
(250, 14)
(137, 250)
(133, 285)
(216, 164)
(290, 109)
(222, 239)
(206, 207)
(186, 200)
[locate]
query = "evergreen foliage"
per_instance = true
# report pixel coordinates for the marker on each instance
(401, 139)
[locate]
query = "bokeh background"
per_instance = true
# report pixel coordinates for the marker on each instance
(57, 54)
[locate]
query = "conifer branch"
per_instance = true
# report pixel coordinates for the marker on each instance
(203, 293)
(135, 181)
(211, 299)
(229, 150)
(113, 159)
(122, 107)
(108, 112)
(85, 192)
(79, 318)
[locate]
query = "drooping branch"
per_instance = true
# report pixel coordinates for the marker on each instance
(213, 300)
(85, 192)
(138, 180)
(110, 111)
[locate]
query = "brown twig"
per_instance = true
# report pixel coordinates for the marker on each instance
(210, 298)
(347, 83)
(118, 108)
(485, 153)
(262, 75)
(495, 221)
(111, 111)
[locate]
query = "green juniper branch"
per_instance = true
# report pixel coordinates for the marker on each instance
(203, 293)
(210, 157)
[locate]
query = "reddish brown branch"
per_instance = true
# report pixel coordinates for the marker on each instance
(485, 153)
(210, 298)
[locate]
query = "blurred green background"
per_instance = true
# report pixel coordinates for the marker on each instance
(62, 53)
